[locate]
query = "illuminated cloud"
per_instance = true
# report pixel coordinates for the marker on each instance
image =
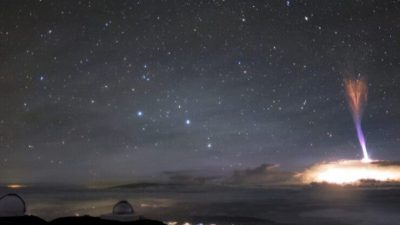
(351, 172)
(265, 174)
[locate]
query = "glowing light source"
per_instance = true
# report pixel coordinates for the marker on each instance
(15, 186)
(350, 172)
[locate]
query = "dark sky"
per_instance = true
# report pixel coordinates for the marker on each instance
(126, 90)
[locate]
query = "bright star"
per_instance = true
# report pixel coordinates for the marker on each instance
(140, 113)
(188, 122)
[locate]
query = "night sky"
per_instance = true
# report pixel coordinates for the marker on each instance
(97, 91)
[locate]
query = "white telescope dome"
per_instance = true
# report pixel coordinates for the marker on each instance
(123, 208)
(12, 205)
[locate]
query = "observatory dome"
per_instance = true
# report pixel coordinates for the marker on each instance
(12, 205)
(123, 208)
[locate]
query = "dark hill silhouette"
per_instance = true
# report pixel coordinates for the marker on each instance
(17, 220)
(99, 221)
(33, 220)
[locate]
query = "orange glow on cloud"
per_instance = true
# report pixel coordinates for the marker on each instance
(351, 172)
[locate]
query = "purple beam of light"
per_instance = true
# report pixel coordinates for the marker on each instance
(361, 139)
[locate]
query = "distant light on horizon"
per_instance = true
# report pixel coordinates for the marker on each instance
(16, 186)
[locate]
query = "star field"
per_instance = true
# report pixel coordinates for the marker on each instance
(123, 90)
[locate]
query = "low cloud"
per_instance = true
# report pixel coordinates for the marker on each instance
(263, 175)
(189, 178)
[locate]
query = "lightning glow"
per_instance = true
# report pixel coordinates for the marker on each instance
(357, 95)
(351, 172)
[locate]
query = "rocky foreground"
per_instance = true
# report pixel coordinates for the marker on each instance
(33, 220)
